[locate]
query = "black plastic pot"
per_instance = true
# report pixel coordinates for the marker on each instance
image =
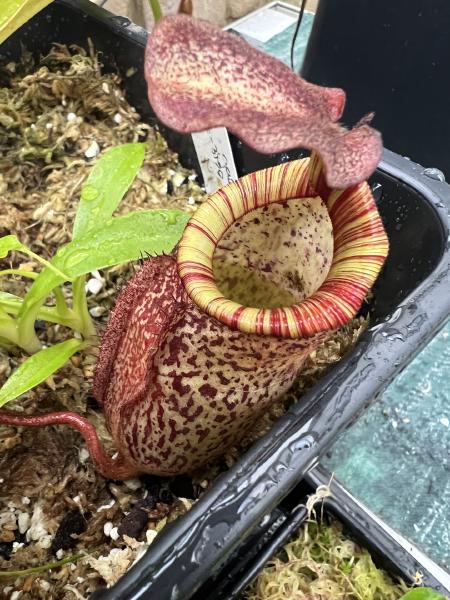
(411, 303)
(389, 550)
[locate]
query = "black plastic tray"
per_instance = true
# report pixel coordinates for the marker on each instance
(390, 551)
(412, 301)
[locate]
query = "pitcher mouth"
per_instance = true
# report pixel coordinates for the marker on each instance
(360, 248)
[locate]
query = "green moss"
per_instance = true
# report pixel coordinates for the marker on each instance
(323, 564)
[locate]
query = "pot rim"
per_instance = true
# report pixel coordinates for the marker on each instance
(360, 248)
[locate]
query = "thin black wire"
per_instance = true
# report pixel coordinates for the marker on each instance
(297, 29)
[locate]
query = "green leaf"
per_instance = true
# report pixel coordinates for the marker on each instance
(124, 238)
(423, 594)
(9, 243)
(14, 13)
(37, 368)
(106, 185)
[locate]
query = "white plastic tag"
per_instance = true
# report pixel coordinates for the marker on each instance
(215, 157)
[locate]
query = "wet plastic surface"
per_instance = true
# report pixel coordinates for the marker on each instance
(389, 551)
(411, 303)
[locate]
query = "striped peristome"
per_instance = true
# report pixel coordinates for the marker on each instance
(360, 247)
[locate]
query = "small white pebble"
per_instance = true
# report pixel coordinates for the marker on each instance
(97, 311)
(80, 580)
(117, 118)
(59, 554)
(49, 126)
(93, 150)
(105, 87)
(191, 200)
(192, 177)
(115, 455)
(114, 533)
(15, 595)
(107, 527)
(45, 585)
(71, 117)
(94, 286)
(23, 522)
(186, 503)
(133, 484)
(406, 420)
(33, 126)
(178, 179)
(45, 542)
(394, 424)
(162, 187)
(150, 535)
(25, 499)
(63, 102)
(83, 455)
(444, 421)
(17, 546)
(1, 480)
(77, 499)
(106, 506)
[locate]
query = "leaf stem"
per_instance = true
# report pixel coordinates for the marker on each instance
(61, 304)
(80, 309)
(46, 263)
(45, 567)
(156, 10)
(21, 272)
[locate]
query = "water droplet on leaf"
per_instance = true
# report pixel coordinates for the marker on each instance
(171, 219)
(76, 258)
(89, 193)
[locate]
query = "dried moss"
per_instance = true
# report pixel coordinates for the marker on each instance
(323, 564)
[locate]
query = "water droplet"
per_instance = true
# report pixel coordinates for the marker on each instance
(434, 173)
(89, 193)
(284, 157)
(124, 21)
(76, 258)
(171, 219)
(377, 191)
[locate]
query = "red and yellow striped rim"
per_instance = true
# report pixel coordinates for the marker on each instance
(360, 248)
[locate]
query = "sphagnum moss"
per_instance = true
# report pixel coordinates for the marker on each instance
(323, 564)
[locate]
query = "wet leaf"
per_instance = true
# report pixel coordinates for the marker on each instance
(14, 13)
(124, 238)
(201, 77)
(106, 185)
(37, 368)
(423, 594)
